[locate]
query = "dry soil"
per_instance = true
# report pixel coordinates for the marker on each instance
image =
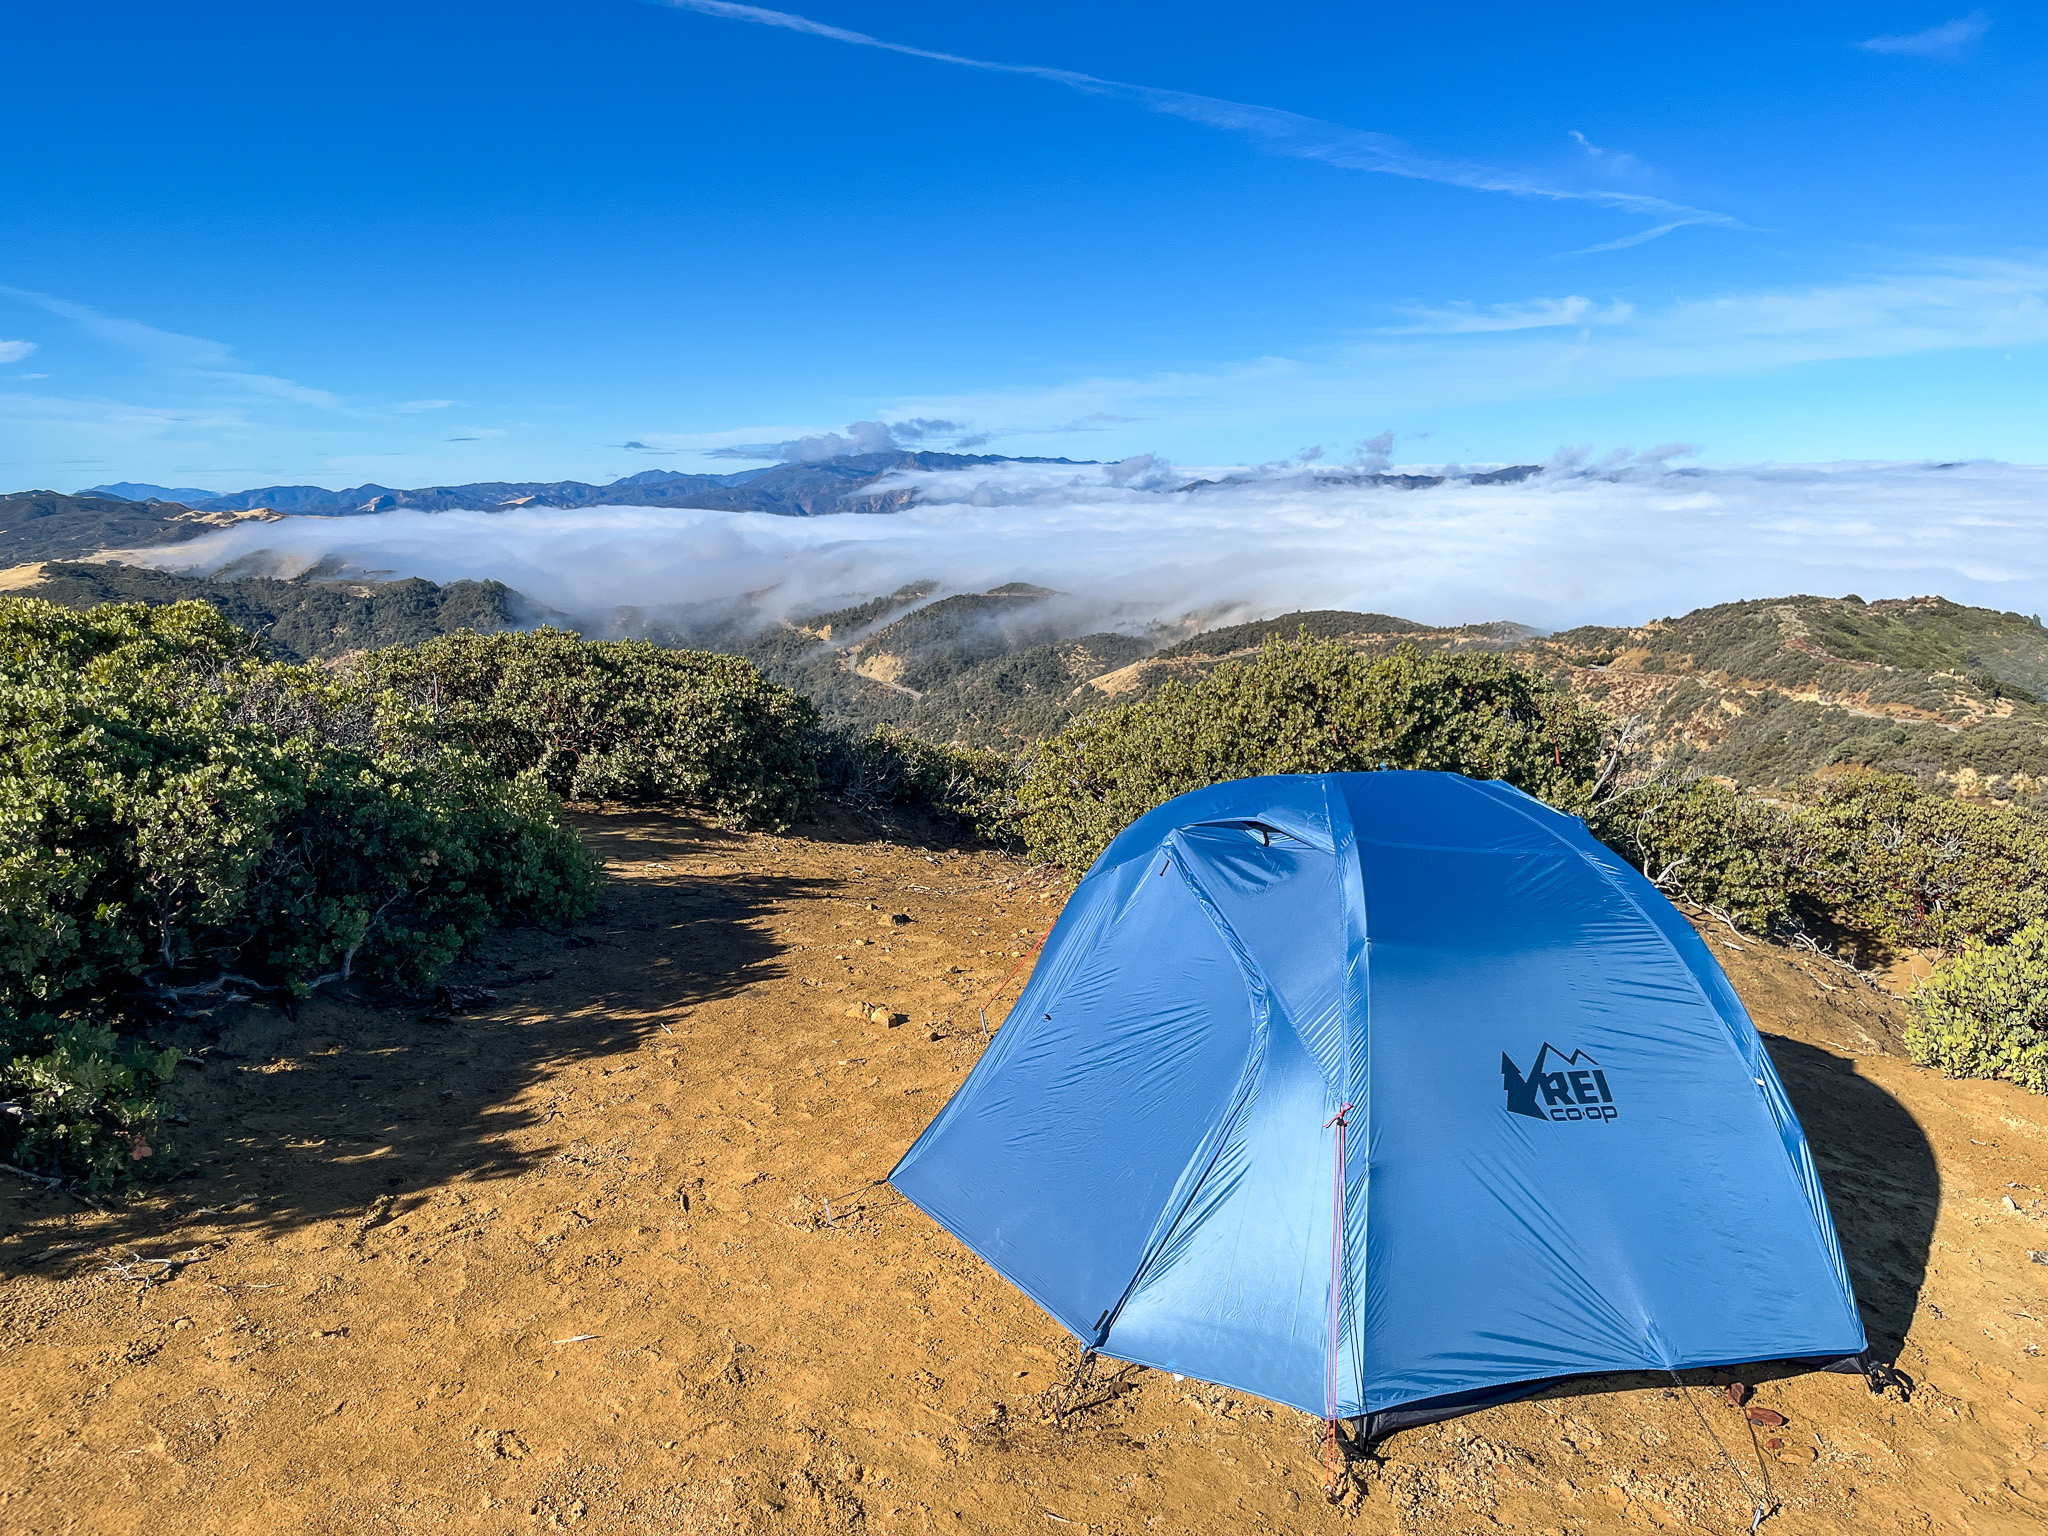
(608, 1256)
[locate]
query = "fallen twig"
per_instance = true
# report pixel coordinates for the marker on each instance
(51, 1253)
(521, 978)
(125, 1269)
(49, 1183)
(1804, 940)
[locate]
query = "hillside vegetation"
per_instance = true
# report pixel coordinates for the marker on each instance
(187, 823)
(307, 618)
(190, 823)
(1305, 706)
(1765, 692)
(194, 817)
(1762, 693)
(998, 669)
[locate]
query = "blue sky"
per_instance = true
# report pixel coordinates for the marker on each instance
(431, 242)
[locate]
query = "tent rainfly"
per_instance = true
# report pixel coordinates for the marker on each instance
(1387, 1096)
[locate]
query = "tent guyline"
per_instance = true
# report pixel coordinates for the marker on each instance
(1761, 1505)
(1546, 1122)
(1002, 985)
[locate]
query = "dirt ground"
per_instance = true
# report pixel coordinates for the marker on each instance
(568, 1264)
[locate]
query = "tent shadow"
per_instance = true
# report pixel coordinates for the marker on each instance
(352, 1115)
(1883, 1187)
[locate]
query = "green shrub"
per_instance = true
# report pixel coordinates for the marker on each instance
(891, 767)
(1889, 860)
(1304, 706)
(175, 812)
(81, 1103)
(614, 719)
(172, 806)
(1985, 1012)
(1704, 841)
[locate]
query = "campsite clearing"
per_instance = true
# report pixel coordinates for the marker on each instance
(598, 1255)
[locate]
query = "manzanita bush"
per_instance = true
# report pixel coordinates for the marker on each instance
(178, 816)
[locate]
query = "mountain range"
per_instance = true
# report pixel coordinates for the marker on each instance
(805, 489)
(127, 514)
(790, 490)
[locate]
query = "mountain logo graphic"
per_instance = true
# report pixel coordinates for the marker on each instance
(1552, 1090)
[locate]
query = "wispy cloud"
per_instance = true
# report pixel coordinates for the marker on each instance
(1277, 131)
(169, 352)
(1451, 356)
(1094, 421)
(1528, 315)
(15, 351)
(1615, 162)
(1640, 237)
(859, 437)
(1950, 42)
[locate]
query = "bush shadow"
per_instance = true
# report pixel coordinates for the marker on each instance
(355, 1112)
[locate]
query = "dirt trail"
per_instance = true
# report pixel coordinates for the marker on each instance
(566, 1265)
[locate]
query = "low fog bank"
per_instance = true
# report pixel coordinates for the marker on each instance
(1144, 542)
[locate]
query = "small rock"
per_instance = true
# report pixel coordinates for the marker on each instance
(899, 919)
(2038, 1258)
(1774, 1444)
(884, 1017)
(1738, 1394)
(2011, 1204)
(1765, 1416)
(857, 1011)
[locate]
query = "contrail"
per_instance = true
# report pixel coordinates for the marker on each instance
(1283, 133)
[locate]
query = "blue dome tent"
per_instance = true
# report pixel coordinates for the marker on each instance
(1387, 1096)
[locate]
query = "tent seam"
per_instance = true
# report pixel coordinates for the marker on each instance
(1260, 989)
(1354, 1082)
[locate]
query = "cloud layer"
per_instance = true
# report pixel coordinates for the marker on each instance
(1619, 540)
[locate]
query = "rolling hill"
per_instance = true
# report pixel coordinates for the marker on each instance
(48, 525)
(305, 619)
(1760, 692)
